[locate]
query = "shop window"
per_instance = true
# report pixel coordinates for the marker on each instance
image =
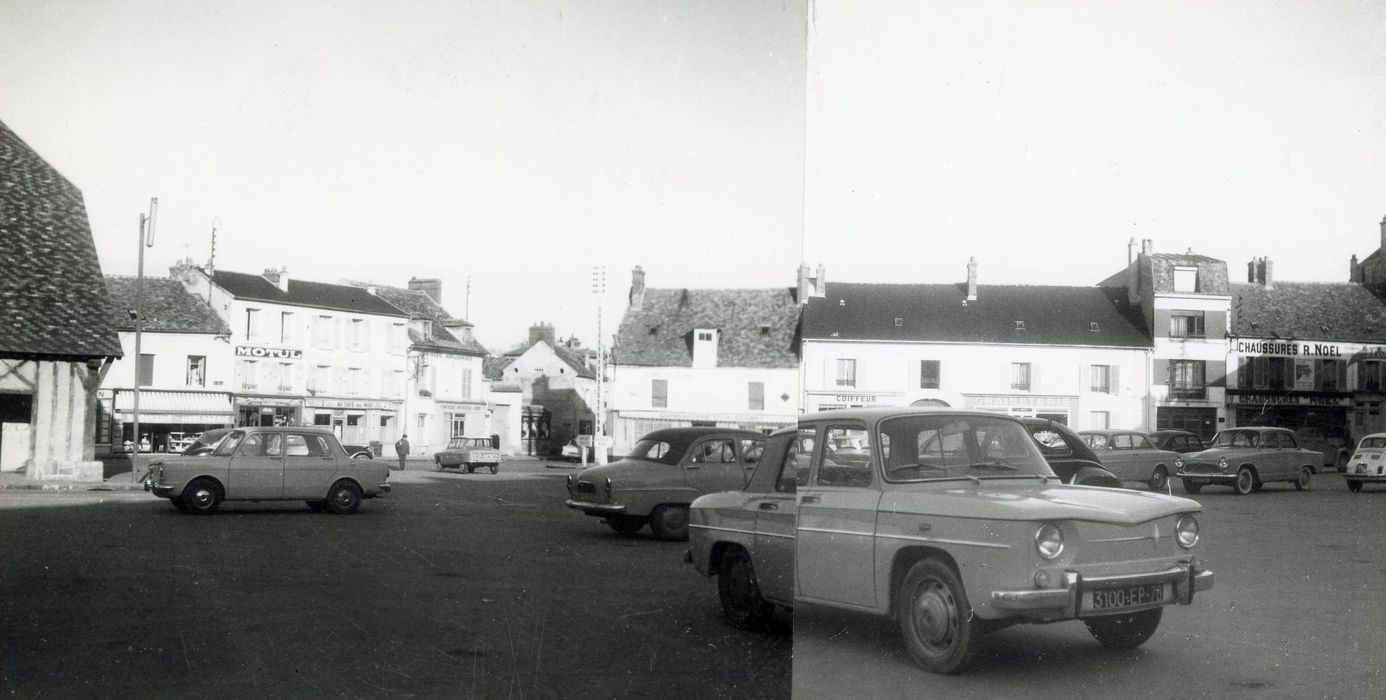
(659, 393)
(322, 419)
(197, 370)
(1186, 324)
(1275, 372)
(353, 420)
(1369, 375)
(1186, 379)
(846, 373)
(1328, 375)
(930, 372)
(756, 398)
(1020, 376)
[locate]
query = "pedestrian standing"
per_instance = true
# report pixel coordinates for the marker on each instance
(402, 449)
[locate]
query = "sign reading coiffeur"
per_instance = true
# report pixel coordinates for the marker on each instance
(268, 353)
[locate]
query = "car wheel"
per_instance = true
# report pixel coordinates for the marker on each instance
(437, 464)
(739, 592)
(669, 522)
(625, 524)
(1124, 631)
(1159, 479)
(495, 468)
(344, 498)
(1246, 481)
(936, 622)
(201, 497)
(361, 455)
(469, 468)
(317, 506)
(1192, 487)
(1302, 483)
(1354, 485)
(1342, 462)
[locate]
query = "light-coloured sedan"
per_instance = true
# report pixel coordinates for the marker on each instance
(746, 538)
(1368, 463)
(956, 526)
(1132, 456)
(1248, 458)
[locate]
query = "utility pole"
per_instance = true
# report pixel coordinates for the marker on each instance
(598, 446)
(146, 241)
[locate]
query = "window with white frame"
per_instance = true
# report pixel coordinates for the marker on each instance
(250, 371)
(1101, 376)
(287, 333)
(252, 325)
(459, 424)
(846, 372)
(756, 396)
(1186, 279)
(269, 376)
(1020, 376)
(399, 340)
(287, 377)
(358, 335)
(197, 370)
(354, 384)
(466, 382)
(1186, 324)
(322, 331)
(1186, 379)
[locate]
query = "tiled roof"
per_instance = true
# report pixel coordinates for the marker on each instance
(168, 307)
(493, 368)
(418, 304)
(320, 295)
(53, 300)
(757, 327)
(1340, 311)
(937, 313)
(573, 358)
(1212, 273)
(570, 357)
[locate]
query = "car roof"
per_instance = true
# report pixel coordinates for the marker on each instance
(1373, 435)
(1108, 431)
(1259, 429)
(1174, 432)
(283, 428)
(696, 431)
(872, 415)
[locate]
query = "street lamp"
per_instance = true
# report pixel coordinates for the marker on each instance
(146, 241)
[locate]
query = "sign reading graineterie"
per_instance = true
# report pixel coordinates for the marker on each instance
(268, 353)
(1308, 349)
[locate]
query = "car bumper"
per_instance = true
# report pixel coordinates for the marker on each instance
(601, 509)
(1064, 601)
(384, 488)
(1204, 476)
(1366, 478)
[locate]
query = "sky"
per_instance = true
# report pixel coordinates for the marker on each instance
(524, 144)
(1040, 137)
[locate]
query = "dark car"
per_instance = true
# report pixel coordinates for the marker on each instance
(1068, 455)
(1181, 441)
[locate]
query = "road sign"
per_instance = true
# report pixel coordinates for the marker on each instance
(605, 441)
(584, 440)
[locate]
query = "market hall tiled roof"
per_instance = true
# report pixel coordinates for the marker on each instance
(1341, 311)
(320, 295)
(418, 304)
(168, 307)
(757, 327)
(53, 300)
(1001, 314)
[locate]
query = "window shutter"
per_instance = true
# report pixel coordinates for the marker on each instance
(1084, 378)
(1035, 378)
(238, 375)
(1114, 377)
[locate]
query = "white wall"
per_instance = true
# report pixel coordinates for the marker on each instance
(171, 351)
(715, 390)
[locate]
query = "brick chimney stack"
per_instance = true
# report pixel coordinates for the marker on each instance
(544, 332)
(279, 278)
(972, 279)
(1354, 272)
(1267, 273)
(1251, 271)
(820, 281)
(1383, 233)
(637, 288)
(803, 283)
(432, 287)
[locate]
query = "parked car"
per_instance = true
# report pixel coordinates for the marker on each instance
(1247, 458)
(359, 451)
(1334, 450)
(203, 442)
(469, 454)
(1367, 465)
(269, 464)
(1132, 456)
(665, 470)
(1068, 455)
(746, 537)
(957, 526)
(1181, 441)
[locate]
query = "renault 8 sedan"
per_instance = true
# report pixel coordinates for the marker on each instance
(1248, 458)
(956, 527)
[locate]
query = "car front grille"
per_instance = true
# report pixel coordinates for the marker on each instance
(586, 487)
(1201, 468)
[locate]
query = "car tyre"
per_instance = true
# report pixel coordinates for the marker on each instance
(1159, 479)
(1302, 483)
(625, 524)
(344, 498)
(939, 628)
(495, 468)
(201, 497)
(1354, 485)
(437, 464)
(669, 522)
(1246, 481)
(739, 592)
(1126, 631)
(1191, 488)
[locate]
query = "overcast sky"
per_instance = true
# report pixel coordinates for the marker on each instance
(519, 142)
(1041, 136)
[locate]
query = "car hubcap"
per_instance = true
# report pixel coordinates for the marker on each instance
(1244, 481)
(934, 616)
(202, 498)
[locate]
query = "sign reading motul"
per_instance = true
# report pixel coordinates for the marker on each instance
(268, 353)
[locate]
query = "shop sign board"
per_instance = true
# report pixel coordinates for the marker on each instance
(346, 404)
(1308, 349)
(1241, 399)
(259, 351)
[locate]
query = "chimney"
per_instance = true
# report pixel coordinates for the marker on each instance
(183, 271)
(279, 278)
(544, 332)
(820, 282)
(803, 283)
(1383, 233)
(1267, 270)
(1354, 272)
(1133, 272)
(972, 279)
(637, 288)
(1131, 250)
(1147, 246)
(432, 287)
(1251, 271)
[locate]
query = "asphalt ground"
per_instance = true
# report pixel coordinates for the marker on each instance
(1298, 611)
(453, 585)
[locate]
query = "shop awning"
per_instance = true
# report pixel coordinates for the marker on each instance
(175, 406)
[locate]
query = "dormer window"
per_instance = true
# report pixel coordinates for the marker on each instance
(1186, 279)
(705, 347)
(1094, 327)
(1019, 326)
(899, 322)
(654, 330)
(764, 331)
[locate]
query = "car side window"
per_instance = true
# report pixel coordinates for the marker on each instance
(253, 446)
(1097, 442)
(1288, 442)
(714, 452)
(795, 461)
(1142, 442)
(801, 455)
(751, 451)
(845, 462)
(1051, 443)
(1121, 442)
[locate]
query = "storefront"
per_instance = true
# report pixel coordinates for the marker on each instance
(1304, 384)
(355, 422)
(1330, 412)
(463, 418)
(1060, 409)
(268, 410)
(166, 418)
(828, 401)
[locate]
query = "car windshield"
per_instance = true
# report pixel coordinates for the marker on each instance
(654, 451)
(1373, 443)
(1237, 438)
(229, 443)
(918, 448)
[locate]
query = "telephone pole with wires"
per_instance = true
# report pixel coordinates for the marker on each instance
(600, 440)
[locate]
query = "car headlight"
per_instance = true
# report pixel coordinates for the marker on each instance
(1222, 463)
(1049, 541)
(1186, 531)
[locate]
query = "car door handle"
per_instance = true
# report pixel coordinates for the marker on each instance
(766, 505)
(809, 499)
